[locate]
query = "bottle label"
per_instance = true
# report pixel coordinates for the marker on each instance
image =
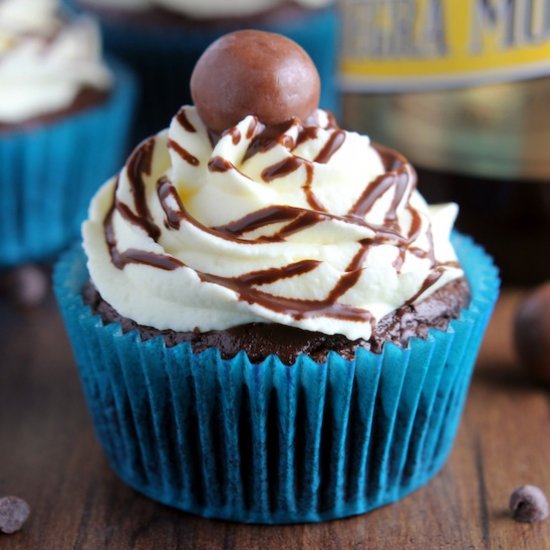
(397, 45)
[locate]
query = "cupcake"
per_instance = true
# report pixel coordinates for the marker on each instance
(64, 117)
(163, 39)
(270, 323)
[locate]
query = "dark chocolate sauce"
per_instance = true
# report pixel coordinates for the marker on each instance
(183, 153)
(184, 121)
(416, 224)
(392, 160)
(374, 190)
(314, 120)
(431, 251)
(232, 231)
(352, 273)
(242, 284)
(139, 165)
(133, 256)
(252, 127)
(334, 143)
(126, 212)
(308, 133)
(332, 124)
(299, 309)
(401, 183)
(397, 264)
(300, 219)
(160, 261)
(429, 281)
(289, 165)
(267, 137)
(258, 219)
(305, 219)
(414, 230)
(399, 176)
(166, 190)
(274, 274)
(219, 164)
(283, 168)
(235, 134)
(275, 214)
(312, 200)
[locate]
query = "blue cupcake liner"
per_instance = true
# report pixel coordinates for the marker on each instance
(164, 59)
(50, 173)
(267, 442)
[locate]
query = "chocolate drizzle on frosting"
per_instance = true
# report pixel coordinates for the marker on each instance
(184, 121)
(267, 137)
(334, 143)
(219, 164)
(285, 167)
(134, 256)
(264, 138)
(430, 280)
(183, 153)
(235, 135)
(140, 165)
(399, 177)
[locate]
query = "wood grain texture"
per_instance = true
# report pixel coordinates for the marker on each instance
(50, 457)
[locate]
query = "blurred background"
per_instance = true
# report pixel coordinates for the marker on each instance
(461, 88)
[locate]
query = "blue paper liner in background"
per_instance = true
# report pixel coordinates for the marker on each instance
(164, 58)
(50, 172)
(267, 442)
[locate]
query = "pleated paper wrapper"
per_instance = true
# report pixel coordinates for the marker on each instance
(49, 173)
(268, 442)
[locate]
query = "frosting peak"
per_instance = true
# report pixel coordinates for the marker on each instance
(46, 59)
(302, 224)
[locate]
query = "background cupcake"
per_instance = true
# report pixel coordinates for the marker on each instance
(163, 39)
(64, 117)
(272, 325)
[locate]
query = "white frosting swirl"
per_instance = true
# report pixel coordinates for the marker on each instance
(205, 9)
(354, 241)
(45, 59)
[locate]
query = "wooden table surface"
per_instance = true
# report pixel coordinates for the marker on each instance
(49, 456)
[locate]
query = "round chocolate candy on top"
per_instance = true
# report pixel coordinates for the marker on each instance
(254, 73)
(532, 333)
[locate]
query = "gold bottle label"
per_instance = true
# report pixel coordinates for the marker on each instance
(391, 45)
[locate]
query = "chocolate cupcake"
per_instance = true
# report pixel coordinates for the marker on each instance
(57, 99)
(272, 325)
(163, 39)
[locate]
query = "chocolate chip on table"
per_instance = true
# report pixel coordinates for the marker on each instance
(14, 512)
(25, 287)
(528, 504)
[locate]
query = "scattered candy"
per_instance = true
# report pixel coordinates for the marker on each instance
(254, 73)
(528, 504)
(26, 286)
(14, 512)
(532, 333)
